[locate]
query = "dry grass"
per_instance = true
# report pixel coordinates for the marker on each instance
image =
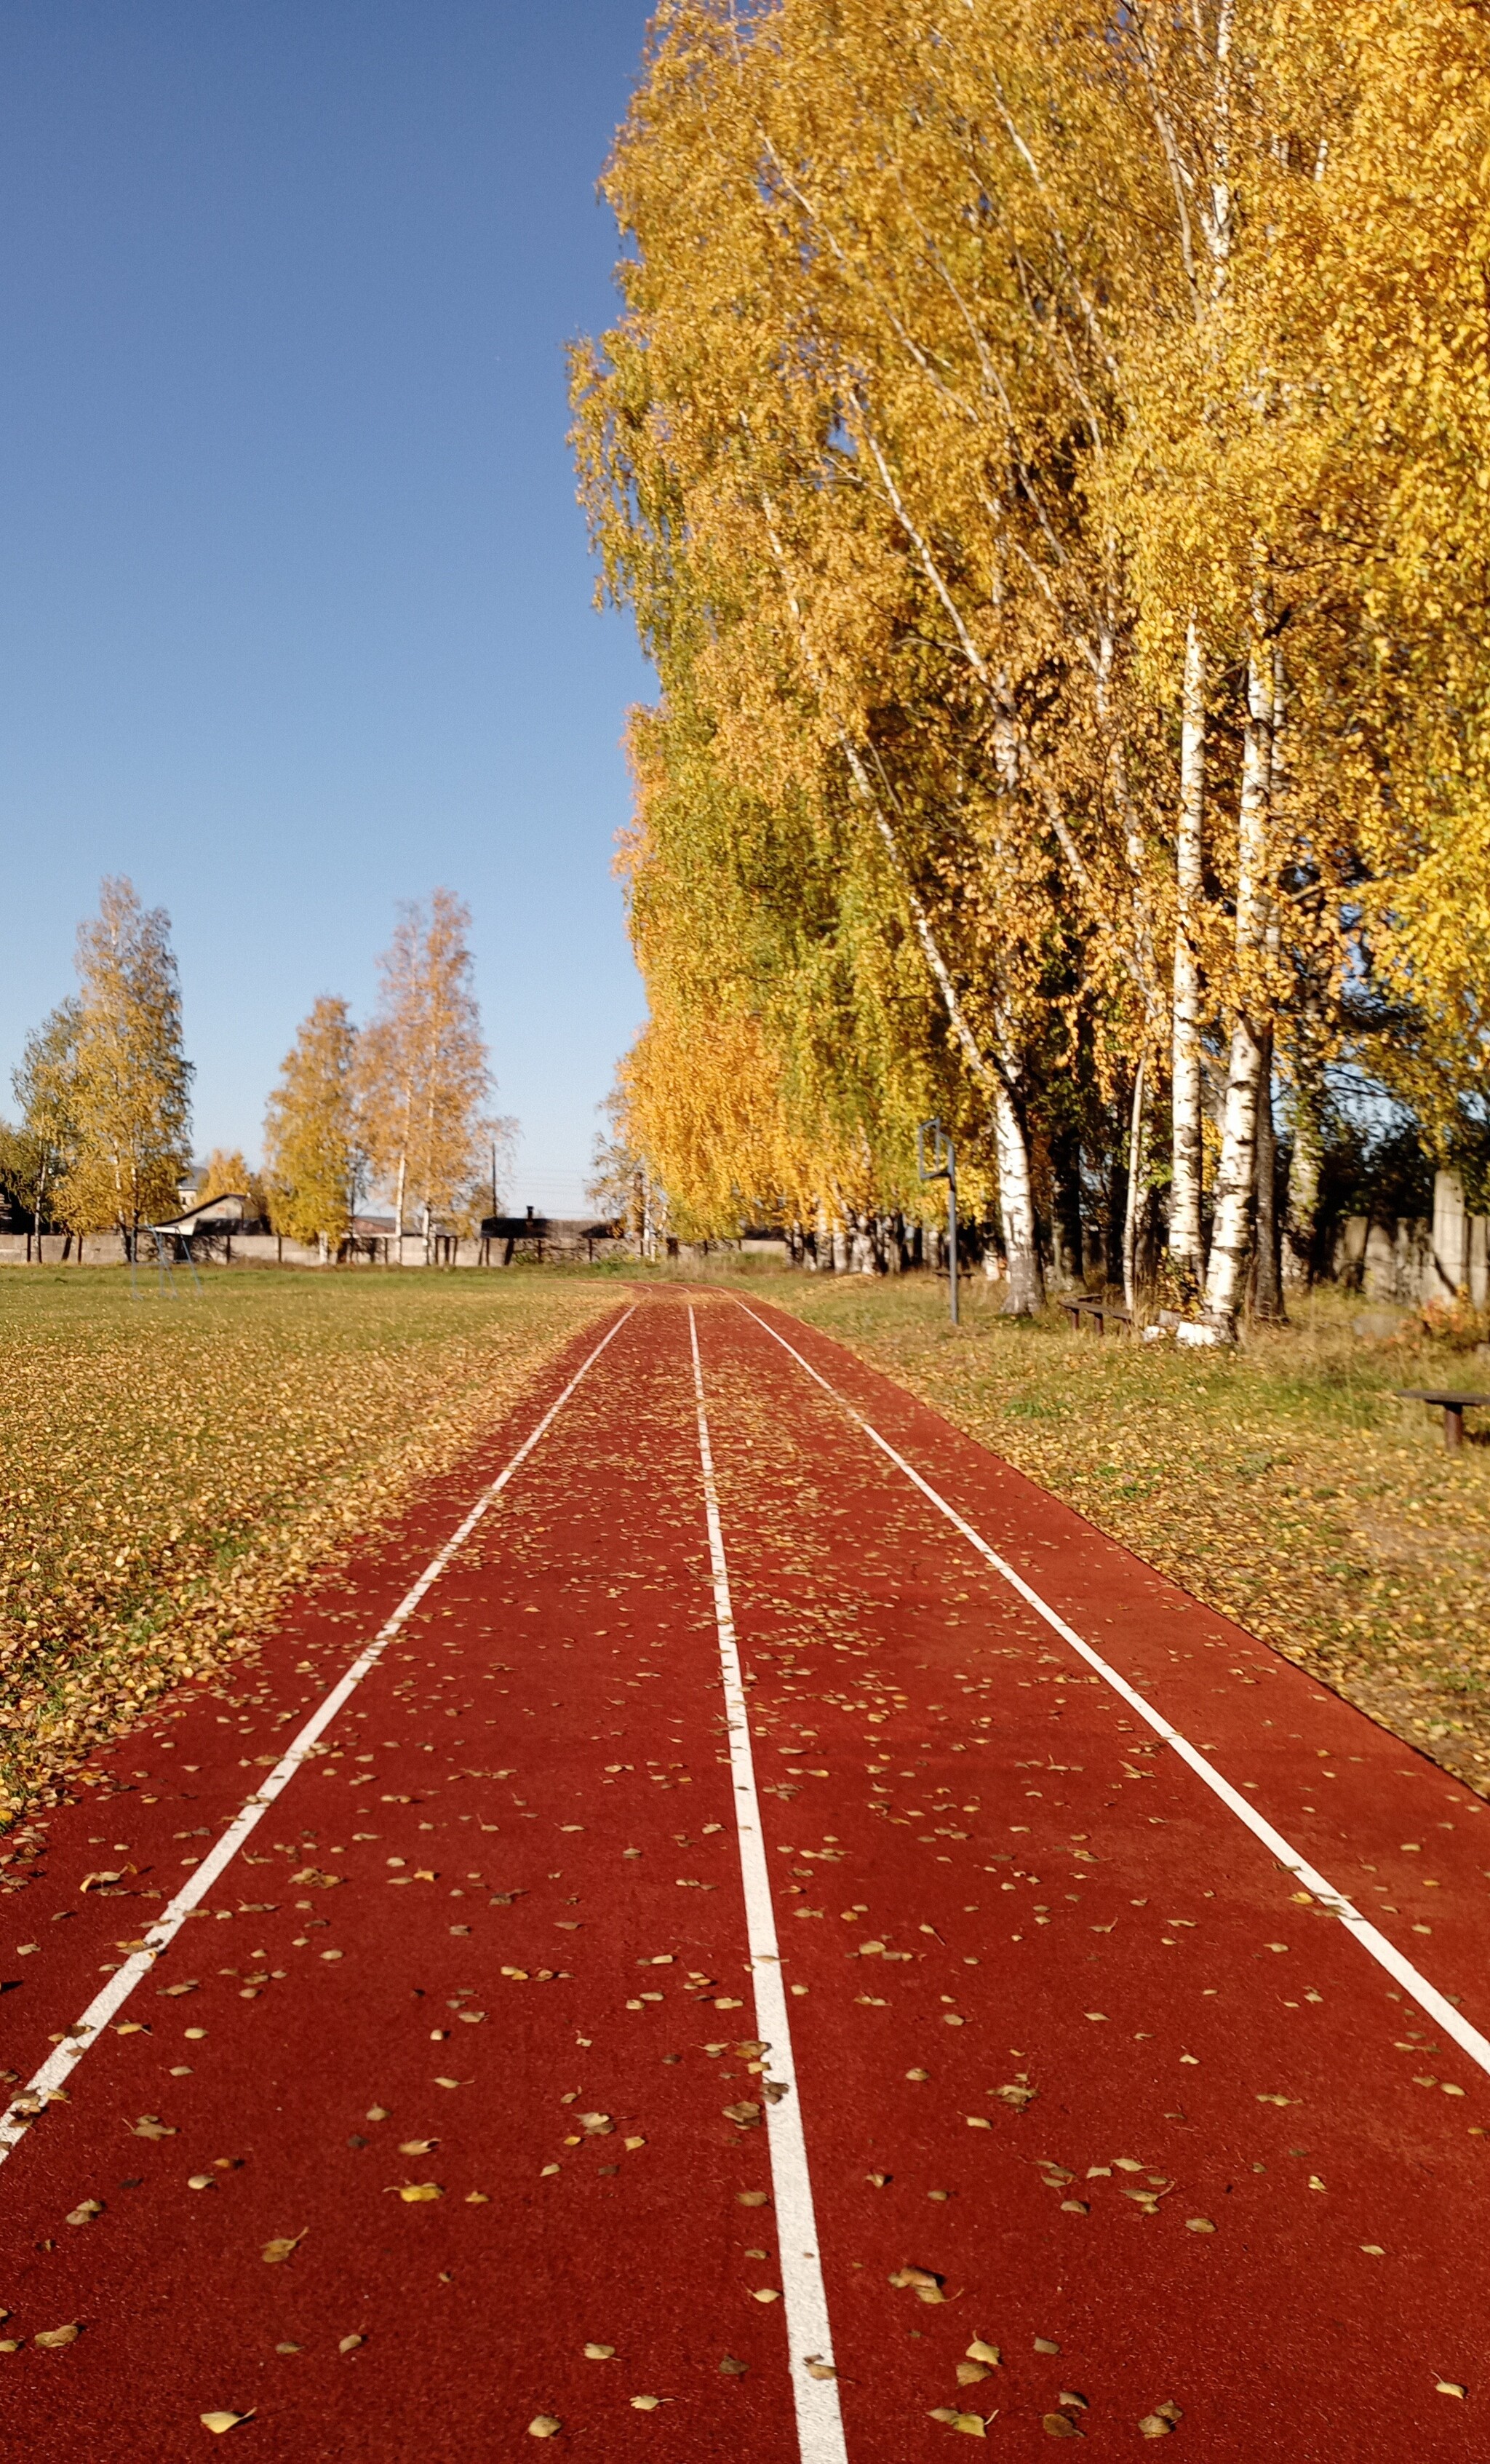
(1283, 1484)
(171, 1469)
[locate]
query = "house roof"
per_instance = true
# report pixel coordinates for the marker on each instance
(225, 1206)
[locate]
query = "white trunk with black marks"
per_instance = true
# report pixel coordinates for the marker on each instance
(1135, 1191)
(1303, 1175)
(398, 1205)
(1230, 1235)
(1267, 1290)
(1267, 1294)
(1026, 1293)
(1186, 1248)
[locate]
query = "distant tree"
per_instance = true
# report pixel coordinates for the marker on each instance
(132, 1083)
(12, 1164)
(225, 1172)
(423, 1073)
(616, 1185)
(38, 1153)
(228, 1172)
(313, 1155)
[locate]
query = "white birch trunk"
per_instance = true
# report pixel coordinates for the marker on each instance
(398, 1205)
(1267, 1291)
(1026, 1293)
(1268, 1295)
(1185, 1188)
(1231, 1237)
(1134, 1207)
(1303, 1175)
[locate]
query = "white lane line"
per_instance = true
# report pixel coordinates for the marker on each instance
(33, 2099)
(819, 2423)
(1427, 1997)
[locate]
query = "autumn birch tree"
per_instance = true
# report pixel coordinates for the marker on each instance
(423, 1074)
(131, 1085)
(313, 1156)
(47, 1142)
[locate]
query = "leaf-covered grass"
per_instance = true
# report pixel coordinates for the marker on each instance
(1283, 1484)
(171, 1467)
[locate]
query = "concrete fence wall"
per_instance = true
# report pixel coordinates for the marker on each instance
(269, 1250)
(1417, 1260)
(107, 1249)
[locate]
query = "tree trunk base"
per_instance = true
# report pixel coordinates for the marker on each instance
(1209, 1334)
(1025, 1296)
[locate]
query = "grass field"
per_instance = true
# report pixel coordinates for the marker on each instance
(1283, 1483)
(171, 1467)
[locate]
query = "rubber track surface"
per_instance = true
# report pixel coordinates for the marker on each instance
(1054, 2011)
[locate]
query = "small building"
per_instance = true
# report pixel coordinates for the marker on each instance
(228, 1210)
(211, 1225)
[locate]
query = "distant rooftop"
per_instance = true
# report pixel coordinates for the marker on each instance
(224, 1206)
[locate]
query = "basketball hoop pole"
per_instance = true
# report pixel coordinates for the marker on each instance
(936, 1159)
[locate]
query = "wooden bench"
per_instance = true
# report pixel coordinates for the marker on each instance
(1451, 1403)
(1087, 1305)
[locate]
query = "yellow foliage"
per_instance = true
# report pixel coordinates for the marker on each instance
(971, 365)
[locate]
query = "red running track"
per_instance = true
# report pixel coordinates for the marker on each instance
(1137, 2114)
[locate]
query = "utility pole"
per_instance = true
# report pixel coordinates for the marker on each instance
(936, 1159)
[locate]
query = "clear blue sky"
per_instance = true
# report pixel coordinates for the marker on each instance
(294, 601)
